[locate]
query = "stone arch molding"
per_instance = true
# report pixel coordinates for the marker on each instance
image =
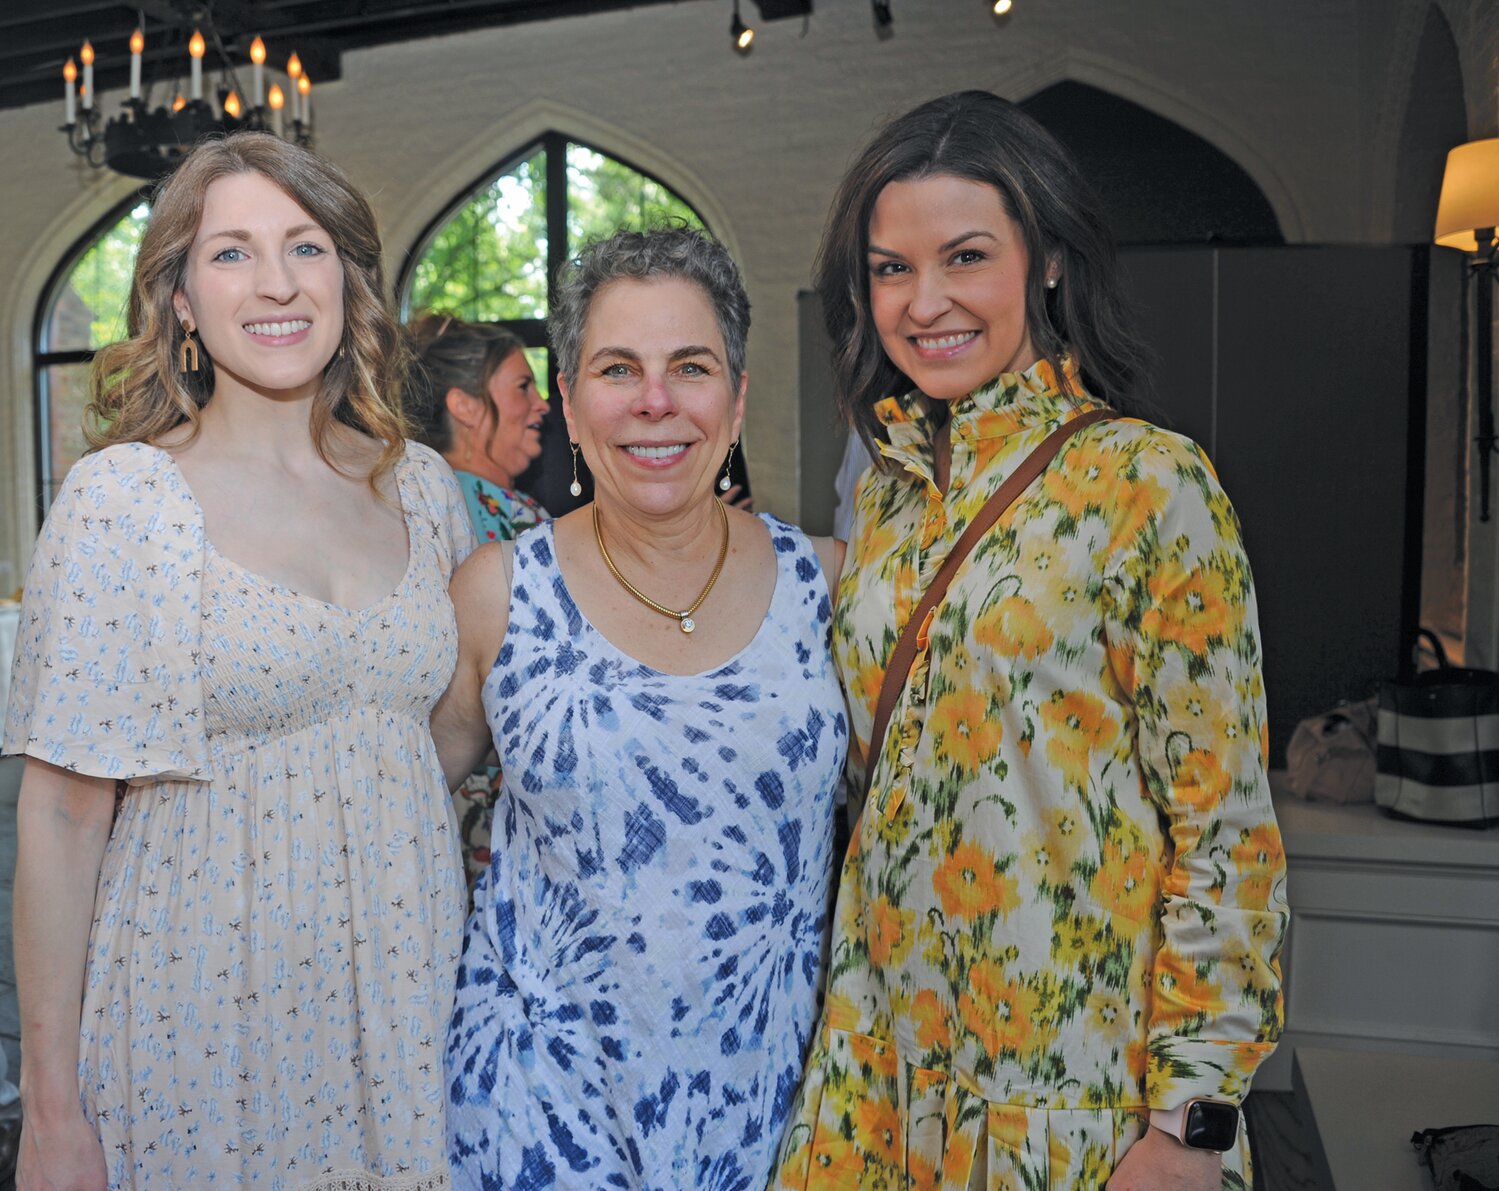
(18, 309)
(1129, 83)
(523, 125)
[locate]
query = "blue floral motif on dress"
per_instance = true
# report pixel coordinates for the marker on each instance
(641, 973)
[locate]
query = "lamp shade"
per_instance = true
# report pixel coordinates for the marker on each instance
(1470, 194)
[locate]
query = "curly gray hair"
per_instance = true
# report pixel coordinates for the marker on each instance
(683, 252)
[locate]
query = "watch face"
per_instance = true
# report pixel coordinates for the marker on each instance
(1211, 1126)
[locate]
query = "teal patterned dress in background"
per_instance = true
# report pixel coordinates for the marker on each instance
(497, 515)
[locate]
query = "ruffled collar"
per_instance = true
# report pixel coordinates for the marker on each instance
(1012, 402)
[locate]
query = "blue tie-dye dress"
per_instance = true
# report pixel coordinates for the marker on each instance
(640, 973)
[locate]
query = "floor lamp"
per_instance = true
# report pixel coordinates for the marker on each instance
(1467, 215)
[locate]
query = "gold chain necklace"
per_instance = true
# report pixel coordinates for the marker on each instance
(684, 617)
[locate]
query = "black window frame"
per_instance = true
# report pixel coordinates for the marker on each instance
(42, 359)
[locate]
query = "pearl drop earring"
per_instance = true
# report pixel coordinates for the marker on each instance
(724, 482)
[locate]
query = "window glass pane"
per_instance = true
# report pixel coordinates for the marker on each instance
(89, 310)
(65, 393)
(537, 357)
(605, 195)
(489, 261)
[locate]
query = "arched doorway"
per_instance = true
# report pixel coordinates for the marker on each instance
(1161, 183)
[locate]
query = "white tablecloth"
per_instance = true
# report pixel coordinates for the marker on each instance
(10, 623)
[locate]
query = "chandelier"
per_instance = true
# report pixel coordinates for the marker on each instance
(149, 143)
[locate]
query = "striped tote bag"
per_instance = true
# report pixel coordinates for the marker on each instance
(1438, 755)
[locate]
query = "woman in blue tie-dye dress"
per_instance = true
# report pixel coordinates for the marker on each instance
(641, 972)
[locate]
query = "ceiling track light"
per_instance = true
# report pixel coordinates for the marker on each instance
(882, 15)
(743, 35)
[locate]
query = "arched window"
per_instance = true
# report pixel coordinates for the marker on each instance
(82, 309)
(492, 256)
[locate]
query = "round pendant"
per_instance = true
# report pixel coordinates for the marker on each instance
(688, 624)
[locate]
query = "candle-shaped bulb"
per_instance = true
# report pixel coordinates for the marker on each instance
(69, 99)
(276, 99)
(232, 105)
(293, 67)
(137, 45)
(257, 73)
(86, 93)
(179, 102)
(304, 86)
(196, 48)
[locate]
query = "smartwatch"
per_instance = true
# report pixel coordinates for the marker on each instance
(1200, 1124)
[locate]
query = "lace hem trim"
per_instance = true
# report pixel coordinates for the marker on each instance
(361, 1180)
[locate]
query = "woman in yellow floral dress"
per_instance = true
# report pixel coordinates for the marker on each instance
(1060, 918)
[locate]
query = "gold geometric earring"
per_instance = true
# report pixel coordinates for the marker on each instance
(576, 487)
(187, 354)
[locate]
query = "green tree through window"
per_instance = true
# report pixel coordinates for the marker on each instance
(83, 309)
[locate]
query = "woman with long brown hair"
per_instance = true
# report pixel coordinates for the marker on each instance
(238, 901)
(1055, 954)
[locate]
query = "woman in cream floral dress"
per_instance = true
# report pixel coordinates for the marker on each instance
(238, 902)
(1061, 914)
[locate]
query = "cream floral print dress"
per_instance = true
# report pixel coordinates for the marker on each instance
(280, 907)
(1064, 901)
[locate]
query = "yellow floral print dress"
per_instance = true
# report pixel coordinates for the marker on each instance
(1063, 904)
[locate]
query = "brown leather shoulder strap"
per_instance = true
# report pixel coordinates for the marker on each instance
(913, 637)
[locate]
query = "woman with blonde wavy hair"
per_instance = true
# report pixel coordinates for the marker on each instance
(238, 898)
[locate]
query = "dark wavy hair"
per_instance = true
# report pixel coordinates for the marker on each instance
(980, 137)
(453, 354)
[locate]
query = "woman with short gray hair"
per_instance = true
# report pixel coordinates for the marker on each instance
(641, 971)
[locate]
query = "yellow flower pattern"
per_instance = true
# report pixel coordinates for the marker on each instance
(1063, 904)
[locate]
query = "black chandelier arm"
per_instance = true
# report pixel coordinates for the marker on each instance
(226, 63)
(146, 143)
(83, 133)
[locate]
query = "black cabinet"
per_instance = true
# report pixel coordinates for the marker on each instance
(1304, 372)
